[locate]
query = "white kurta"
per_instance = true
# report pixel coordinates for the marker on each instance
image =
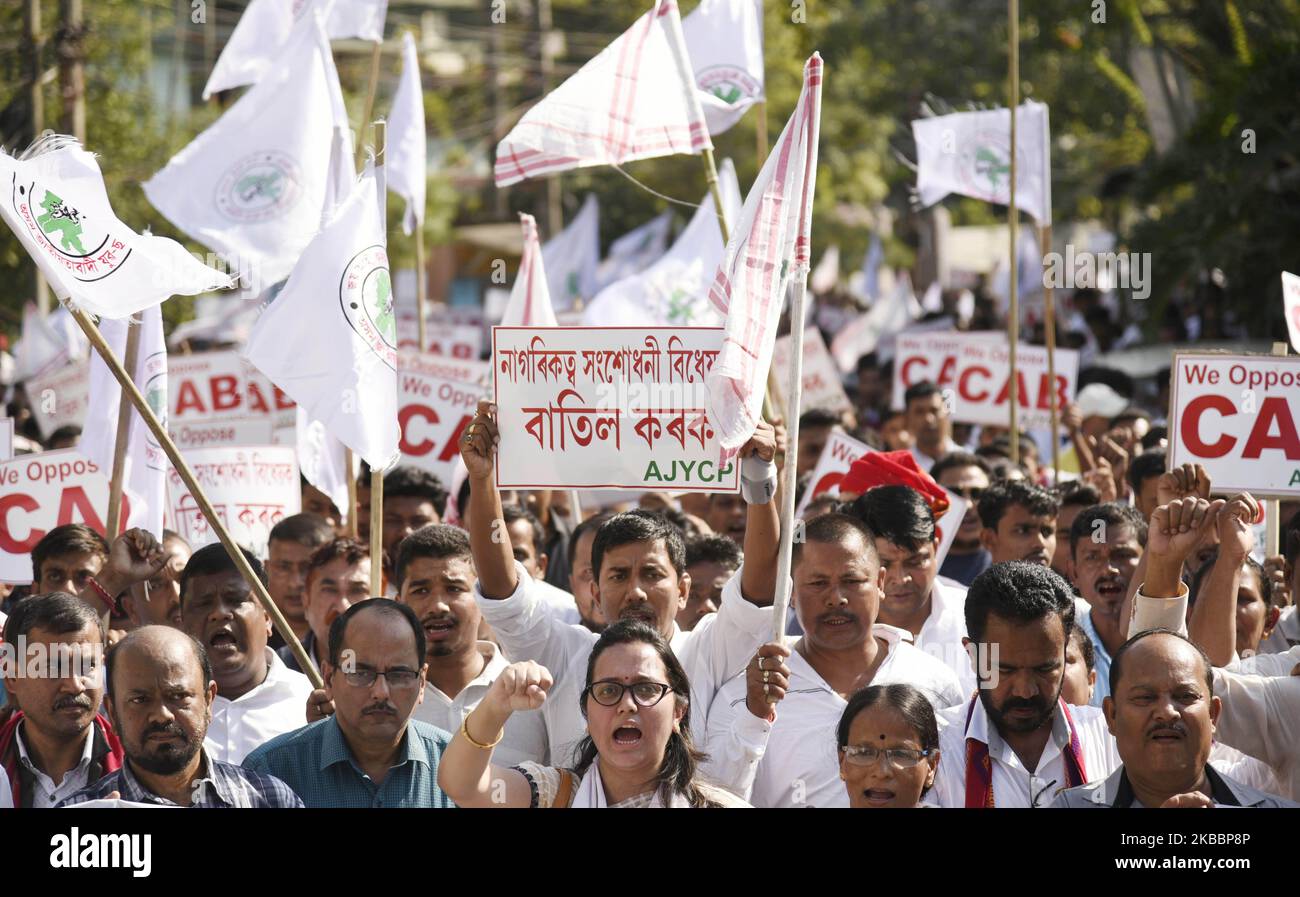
(528, 627)
(943, 631)
(1013, 784)
(525, 734)
(276, 706)
(794, 762)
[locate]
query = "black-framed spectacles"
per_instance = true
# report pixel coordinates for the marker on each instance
(396, 679)
(609, 693)
(970, 493)
(899, 758)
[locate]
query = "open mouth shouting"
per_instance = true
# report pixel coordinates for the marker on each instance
(438, 629)
(878, 797)
(1110, 589)
(628, 735)
(223, 642)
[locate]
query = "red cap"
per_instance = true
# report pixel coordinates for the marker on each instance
(894, 469)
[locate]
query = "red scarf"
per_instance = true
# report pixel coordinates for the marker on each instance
(979, 768)
(10, 757)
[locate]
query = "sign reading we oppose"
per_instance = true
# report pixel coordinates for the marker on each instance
(1239, 415)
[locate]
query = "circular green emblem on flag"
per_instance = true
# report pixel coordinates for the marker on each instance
(79, 245)
(366, 299)
(984, 165)
(729, 83)
(259, 187)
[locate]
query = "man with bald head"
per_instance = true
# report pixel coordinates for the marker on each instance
(160, 693)
(1162, 712)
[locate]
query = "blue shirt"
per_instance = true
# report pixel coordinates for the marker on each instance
(316, 762)
(1101, 657)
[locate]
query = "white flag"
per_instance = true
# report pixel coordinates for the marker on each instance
(725, 40)
(634, 100)
(264, 29)
(889, 316)
(144, 470)
(322, 459)
(530, 298)
(40, 348)
(968, 153)
(674, 290)
(768, 245)
(1291, 306)
(826, 276)
(256, 185)
(635, 251)
(406, 162)
(55, 203)
(329, 339)
(871, 263)
(572, 256)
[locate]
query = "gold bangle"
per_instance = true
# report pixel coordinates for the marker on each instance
(464, 730)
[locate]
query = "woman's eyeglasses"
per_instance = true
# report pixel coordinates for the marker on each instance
(899, 758)
(608, 693)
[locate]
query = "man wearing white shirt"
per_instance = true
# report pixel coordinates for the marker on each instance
(786, 756)
(640, 573)
(526, 541)
(1016, 744)
(435, 578)
(926, 417)
(1261, 713)
(913, 598)
(258, 697)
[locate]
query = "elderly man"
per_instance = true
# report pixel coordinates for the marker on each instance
(257, 697)
(839, 585)
(1019, 522)
(913, 597)
(640, 572)
(370, 752)
(160, 690)
(338, 576)
(57, 743)
(1017, 743)
(1162, 712)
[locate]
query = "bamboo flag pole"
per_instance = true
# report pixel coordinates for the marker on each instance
(187, 477)
(377, 475)
(113, 522)
(421, 283)
(1272, 507)
(368, 108)
(1013, 219)
(1049, 323)
(354, 516)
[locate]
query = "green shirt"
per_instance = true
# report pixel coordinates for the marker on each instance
(316, 762)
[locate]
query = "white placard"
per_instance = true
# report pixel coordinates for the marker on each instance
(58, 398)
(1291, 307)
(251, 488)
(432, 412)
(607, 408)
(821, 379)
(1239, 415)
(42, 491)
(6, 438)
(216, 399)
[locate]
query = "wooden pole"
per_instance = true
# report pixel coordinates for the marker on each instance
(421, 283)
(113, 522)
(1049, 322)
(368, 108)
(187, 477)
(1272, 507)
(36, 97)
(354, 517)
(72, 76)
(1013, 220)
(377, 475)
(711, 175)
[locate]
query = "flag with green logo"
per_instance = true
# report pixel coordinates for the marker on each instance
(725, 41)
(969, 153)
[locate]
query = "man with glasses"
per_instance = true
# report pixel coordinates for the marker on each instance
(838, 583)
(369, 753)
(965, 475)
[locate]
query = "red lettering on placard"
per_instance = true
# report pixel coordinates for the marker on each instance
(225, 392)
(404, 417)
(1190, 426)
(1274, 408)
(188, 398)
(964, 386)
(449, 450)
(9, 543)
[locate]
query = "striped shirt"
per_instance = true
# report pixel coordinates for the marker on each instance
(223, 785)
(318, 764)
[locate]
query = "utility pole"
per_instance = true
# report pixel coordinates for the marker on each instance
(495, 52)
(35, 42)
(72, 77)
